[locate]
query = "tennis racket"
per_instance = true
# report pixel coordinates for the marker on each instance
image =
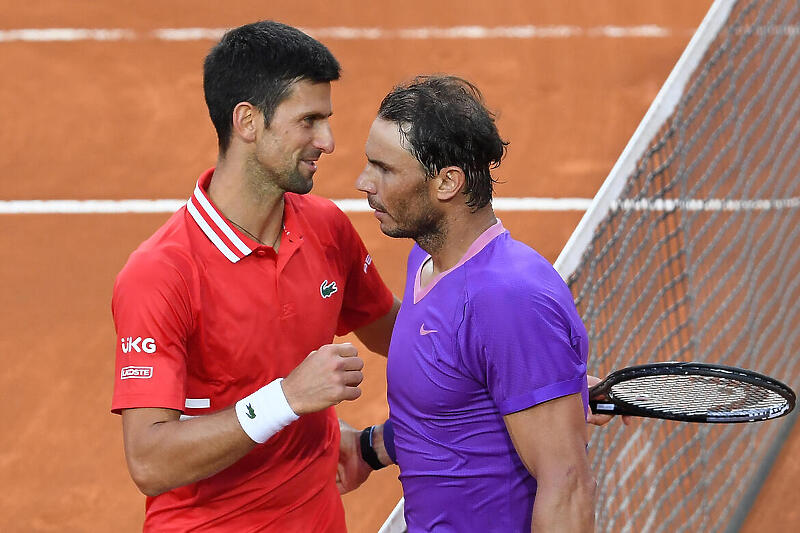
(691, 392)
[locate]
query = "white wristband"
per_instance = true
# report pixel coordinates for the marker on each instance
(265, 412)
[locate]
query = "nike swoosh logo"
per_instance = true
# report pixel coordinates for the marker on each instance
(423, 331)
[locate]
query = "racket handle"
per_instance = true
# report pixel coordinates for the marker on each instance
(600, 407)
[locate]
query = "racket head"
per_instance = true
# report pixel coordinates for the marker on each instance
(693, 392)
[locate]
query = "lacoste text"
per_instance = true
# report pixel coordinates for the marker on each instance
(139, 372)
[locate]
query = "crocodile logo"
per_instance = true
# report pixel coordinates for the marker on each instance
(251, 413)
(327, 289)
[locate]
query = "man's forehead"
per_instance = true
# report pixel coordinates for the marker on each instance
(308, 94)
(387, 133)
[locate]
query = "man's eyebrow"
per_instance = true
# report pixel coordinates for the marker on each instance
(318, 115)
(378, 163)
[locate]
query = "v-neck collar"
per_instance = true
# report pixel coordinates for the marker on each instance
(479, 244)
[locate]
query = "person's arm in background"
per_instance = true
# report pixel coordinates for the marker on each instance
(551, 440)
(353, 470)
(377, 335)
(369, 310)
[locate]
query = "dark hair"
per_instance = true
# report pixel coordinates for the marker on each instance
(446, 123)
(258, 63)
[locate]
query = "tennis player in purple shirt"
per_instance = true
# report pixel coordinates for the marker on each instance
(487, 382)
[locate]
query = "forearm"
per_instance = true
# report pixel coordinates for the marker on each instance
(566, 503)
(171, 453)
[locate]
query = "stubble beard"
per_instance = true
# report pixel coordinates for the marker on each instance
(265, 181)
(294, 181)
(427, 229)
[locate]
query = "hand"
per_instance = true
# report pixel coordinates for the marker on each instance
(602, 420)
(352, 470)
(324, 378)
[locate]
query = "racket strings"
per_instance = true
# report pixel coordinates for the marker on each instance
(696, 395)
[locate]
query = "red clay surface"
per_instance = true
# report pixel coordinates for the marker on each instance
(116, 120)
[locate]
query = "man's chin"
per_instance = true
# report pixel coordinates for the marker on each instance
(305, 189)
(395, 232)
(300, 184)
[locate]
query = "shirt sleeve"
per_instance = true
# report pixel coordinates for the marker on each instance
(152, 317)
(366, 296)
(520, 342)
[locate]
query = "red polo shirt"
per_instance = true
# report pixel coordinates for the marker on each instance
(205, 316)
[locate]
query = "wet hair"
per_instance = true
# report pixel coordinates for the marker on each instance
(445, 123)
(258, 63)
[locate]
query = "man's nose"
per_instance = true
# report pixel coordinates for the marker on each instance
(364, 183)
(324, 139)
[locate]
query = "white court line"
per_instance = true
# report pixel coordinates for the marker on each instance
(66, 34)
(374, 33)
(348, 205)
(21, 207)
(359, 205)
(346, 33)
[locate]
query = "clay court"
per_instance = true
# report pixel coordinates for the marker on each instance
(122, 118)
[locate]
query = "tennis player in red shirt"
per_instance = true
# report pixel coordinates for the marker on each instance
(225, 371)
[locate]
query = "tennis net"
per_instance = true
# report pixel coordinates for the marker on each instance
(691, 252)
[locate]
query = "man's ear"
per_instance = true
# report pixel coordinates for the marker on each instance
(246, 120)
(450, 182)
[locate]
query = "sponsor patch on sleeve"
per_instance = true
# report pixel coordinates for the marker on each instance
(139, 345)
(136, 372)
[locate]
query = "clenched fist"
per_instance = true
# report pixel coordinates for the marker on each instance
(324, 378)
